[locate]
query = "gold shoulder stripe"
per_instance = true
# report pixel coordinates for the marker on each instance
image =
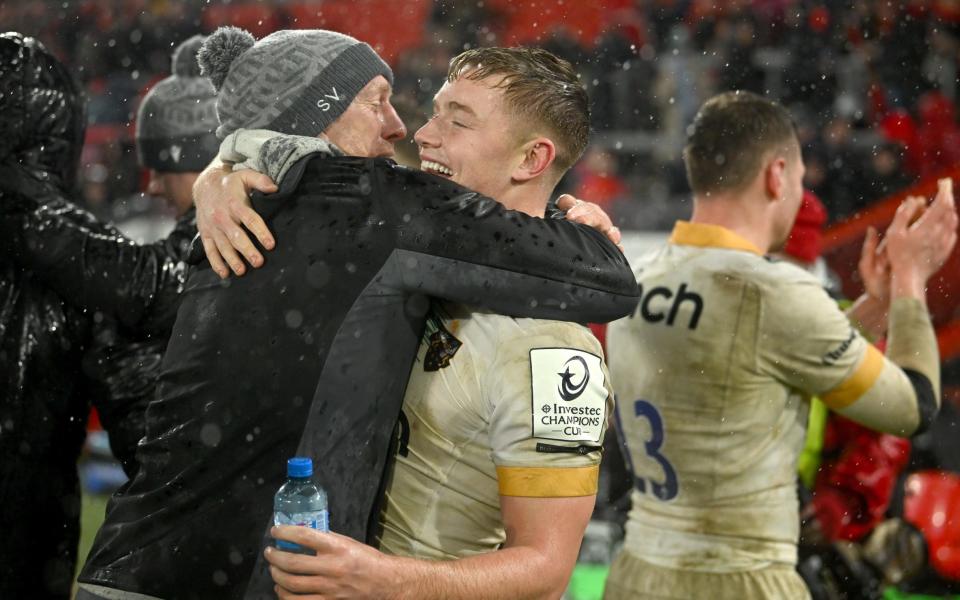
(858, 383)
(544, 482)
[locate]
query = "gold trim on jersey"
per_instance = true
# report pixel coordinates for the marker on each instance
(547, 482)
(710, 236)
(858, 383)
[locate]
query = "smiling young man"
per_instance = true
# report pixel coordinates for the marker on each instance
(497, 458)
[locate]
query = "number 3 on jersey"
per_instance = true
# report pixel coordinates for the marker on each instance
(669, 488)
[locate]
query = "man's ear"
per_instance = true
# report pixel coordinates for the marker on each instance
(775, 178)
(538, 156)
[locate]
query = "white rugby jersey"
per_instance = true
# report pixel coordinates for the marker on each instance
(711, 373)
(495, 406)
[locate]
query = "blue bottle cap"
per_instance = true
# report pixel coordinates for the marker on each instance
(299, 467)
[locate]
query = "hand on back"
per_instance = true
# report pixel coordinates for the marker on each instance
(591, 215)
(223, 205)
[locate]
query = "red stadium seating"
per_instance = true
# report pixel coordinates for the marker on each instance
(390, 32)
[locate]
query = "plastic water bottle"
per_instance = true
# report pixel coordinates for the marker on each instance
(300, 502)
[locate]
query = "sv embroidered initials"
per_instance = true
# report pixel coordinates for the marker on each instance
(324, 105)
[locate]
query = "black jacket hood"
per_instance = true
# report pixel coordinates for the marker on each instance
(41, 111)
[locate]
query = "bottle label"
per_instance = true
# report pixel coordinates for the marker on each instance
(317, 519)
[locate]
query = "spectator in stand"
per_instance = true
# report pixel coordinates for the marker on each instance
(884, 173)
(843, 187)
(853, 487)
(624, 71)
(809, 51)
(738, 71)
(939, 134)
(899, 127)
(599, 180)
(903, 32)
(940, 66)
(806, 240)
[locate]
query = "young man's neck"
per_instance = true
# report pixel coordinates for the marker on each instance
(530, 197)
(738, 213)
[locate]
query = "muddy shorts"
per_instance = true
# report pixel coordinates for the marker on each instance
(634, 579)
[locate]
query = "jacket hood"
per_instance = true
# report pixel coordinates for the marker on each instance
(41, 111)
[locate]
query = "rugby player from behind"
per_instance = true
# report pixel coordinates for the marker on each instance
(713, 369)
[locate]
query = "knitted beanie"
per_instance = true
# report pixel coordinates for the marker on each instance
(178, 117)
(294, 81)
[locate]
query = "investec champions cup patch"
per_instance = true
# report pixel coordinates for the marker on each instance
(569, 395)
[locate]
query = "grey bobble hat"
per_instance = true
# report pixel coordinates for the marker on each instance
(177, 119)
(294, 81)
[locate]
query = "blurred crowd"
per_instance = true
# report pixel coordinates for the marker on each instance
(872, 84)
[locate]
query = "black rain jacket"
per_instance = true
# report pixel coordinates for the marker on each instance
(309, 355)
(77, 305)
(42, 340)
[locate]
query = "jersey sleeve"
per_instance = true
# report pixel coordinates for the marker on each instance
(807, 342)
(548, 405)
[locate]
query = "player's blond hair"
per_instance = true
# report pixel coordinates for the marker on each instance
(540, 88)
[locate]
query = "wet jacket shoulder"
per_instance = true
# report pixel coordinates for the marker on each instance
(90, 262)
(460, 245)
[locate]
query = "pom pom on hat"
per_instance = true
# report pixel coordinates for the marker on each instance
(220, 49)
(184, 63)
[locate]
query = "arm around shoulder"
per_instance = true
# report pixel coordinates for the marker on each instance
(470, 249)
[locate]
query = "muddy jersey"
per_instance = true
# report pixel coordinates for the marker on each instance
(494, 406)
(712, 371)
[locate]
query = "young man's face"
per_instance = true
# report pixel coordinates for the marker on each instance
(471, 138)
(370, 125)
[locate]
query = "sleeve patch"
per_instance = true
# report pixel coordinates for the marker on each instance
(542, 482)
(858, 383)
(569, 395)
(831, 358)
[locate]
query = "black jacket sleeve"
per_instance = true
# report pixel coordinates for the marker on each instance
(95, 266)
(122, 375)
(460, 245)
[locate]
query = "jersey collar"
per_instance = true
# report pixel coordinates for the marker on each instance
(710, 236)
